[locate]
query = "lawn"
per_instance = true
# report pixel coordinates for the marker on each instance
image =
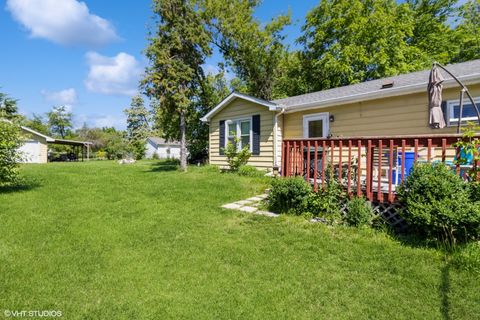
(99, 240)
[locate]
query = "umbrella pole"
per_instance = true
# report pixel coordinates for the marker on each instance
(461, 111)
(464, 88)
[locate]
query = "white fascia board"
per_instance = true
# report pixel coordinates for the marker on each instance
(233, 96)
(381, 93)
(47, 138)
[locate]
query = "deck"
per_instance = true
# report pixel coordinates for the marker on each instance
(370, 166)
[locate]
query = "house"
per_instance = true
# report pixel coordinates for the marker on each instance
(388, 107)
(162, 149)
(35, 146)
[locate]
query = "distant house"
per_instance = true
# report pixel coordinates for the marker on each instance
(162, 149)
(35, 147)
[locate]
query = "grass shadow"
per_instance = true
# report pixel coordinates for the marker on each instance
(21, 186)
(164, 166)
(444, 291)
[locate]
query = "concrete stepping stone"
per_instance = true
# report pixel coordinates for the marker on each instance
(248, 209)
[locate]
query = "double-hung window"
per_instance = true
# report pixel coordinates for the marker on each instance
(241, 131)
(453, 111)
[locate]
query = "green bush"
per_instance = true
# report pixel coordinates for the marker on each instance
(326, 203)
(288, 195)
(475, 191)
(359, 212)
(250, 171)
(236, 158)
(438, 204)
(10, 141)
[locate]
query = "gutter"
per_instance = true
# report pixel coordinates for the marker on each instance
(275, 137)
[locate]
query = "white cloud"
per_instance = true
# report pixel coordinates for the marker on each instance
(66, 22)
(64, 97)
(113, 75)
(100, 121)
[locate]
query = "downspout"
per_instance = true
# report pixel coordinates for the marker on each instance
(275, 138)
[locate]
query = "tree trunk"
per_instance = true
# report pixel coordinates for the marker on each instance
(183, 148)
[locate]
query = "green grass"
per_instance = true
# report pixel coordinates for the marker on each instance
(102, 241)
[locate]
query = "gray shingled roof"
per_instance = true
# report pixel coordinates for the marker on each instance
(415, 78)
(158, 140)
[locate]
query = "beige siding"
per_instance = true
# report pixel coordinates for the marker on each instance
(239, 109)
(389, 116)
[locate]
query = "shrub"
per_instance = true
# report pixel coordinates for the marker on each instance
(359, 212)
(101, 154)
(10, 141)
(236, 158)
(327, 203)
(437, 204)
(250, 171)
(288, 195)
(475, 191)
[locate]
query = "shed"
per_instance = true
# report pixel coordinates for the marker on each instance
(162, 148)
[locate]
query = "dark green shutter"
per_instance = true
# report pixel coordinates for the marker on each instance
(256, 135)
(222, 137)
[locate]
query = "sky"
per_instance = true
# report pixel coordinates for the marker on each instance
(87, 54)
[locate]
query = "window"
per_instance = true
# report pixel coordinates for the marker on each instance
(316, 125)
(469, 113)
(242, 131)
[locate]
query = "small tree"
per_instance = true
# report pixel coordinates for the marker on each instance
(235, 157)
(138, 127)
(10, 141)
(59, 121)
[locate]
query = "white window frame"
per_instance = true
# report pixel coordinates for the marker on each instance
(451, 121)
(325, 116)
(239, 133)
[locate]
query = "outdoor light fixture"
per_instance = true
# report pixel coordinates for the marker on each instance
(332, 118)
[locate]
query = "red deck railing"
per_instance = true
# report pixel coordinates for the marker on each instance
(370, 166)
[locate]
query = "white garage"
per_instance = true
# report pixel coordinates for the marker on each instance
(35, 147)
(162, 149)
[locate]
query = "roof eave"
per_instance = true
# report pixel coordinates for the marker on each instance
(381, 93)
(271, 106)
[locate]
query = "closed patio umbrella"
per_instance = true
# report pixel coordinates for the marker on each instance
(435, 85)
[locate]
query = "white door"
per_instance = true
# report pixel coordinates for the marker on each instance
(30, 152)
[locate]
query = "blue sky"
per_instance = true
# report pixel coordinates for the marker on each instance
(88, 55)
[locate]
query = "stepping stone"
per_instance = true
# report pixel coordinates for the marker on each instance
(231, 206)
(248, 209)
(243, 202)
(267, 213)
(255, 199)
(262, 196)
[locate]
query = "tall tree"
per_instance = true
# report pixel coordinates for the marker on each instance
(8, 108)
(251, 49)
(213, 89)
(468, 31)
(432, 31)
(59, 121)
(350, 41)
(177, 49)
(138, 126)
(37, 123)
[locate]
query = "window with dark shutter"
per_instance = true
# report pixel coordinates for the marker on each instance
(256, 135)
(222, 137)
